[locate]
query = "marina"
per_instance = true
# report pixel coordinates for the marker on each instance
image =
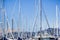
(29, 20)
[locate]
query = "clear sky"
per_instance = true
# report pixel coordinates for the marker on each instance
(28, 15)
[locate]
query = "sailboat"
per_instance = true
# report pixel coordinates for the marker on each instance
(2, 10)
(19, 21)
(44, 36)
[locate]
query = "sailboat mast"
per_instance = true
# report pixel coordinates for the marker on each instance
(7, 27)
(57, 19)
(40, 11)
(19, 16)
(3, 17)
(12, 25)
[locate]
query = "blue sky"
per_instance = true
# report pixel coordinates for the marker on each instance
(28, 14)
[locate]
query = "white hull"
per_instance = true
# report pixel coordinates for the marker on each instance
(11, 39)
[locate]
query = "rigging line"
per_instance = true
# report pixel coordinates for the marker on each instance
(3, 20)
(7, 27)
(10, 29)
(19, 14)
(40, 13)
(5, 14)
(35, 22)
(46, 18)
(35, 17)
(8, 23)
(13, 8)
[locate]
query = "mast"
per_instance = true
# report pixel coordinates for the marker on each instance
(12, 26)
(34, 18)
(57, 19)
(40, 11)
(19, 16)
(3, 16)
(7, 27)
